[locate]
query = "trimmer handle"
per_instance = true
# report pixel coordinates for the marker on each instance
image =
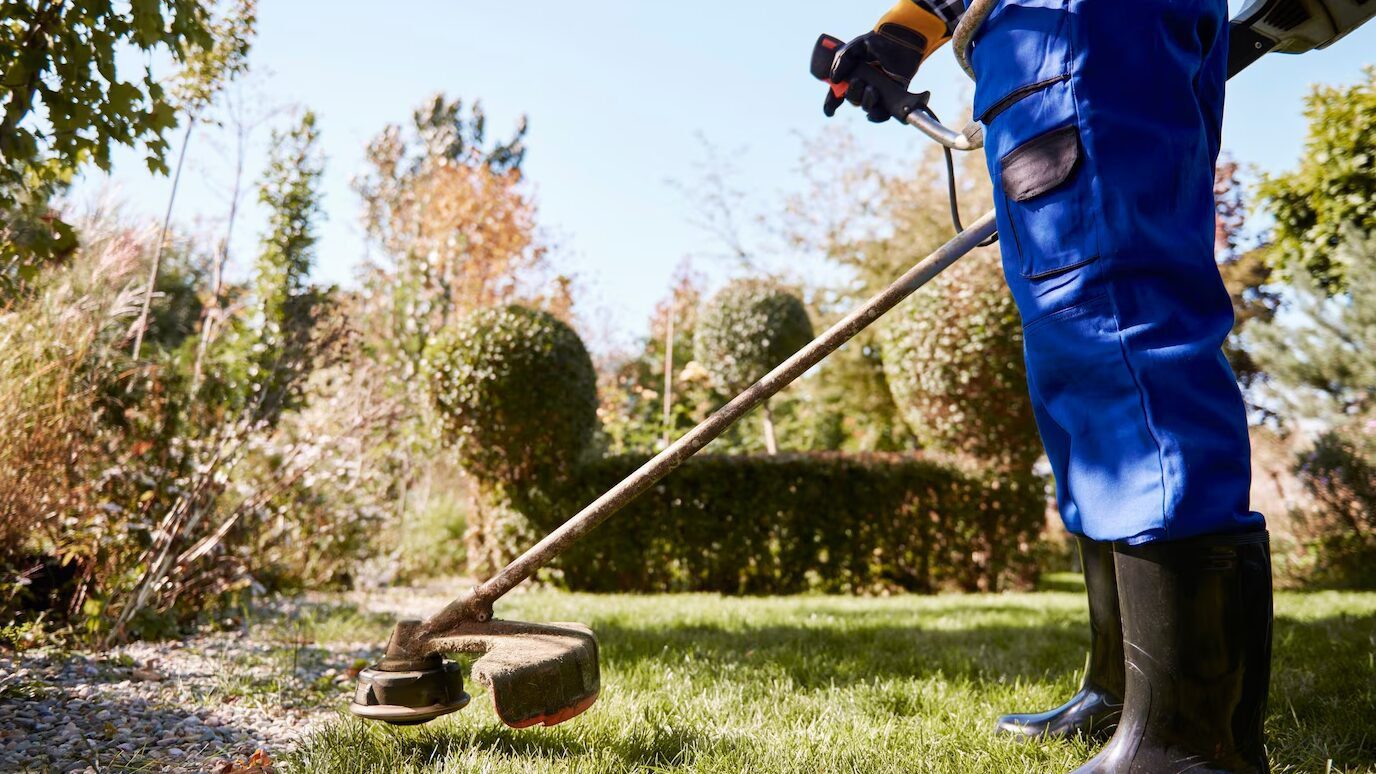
(908, 107)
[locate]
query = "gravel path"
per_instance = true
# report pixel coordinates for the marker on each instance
(206, 703)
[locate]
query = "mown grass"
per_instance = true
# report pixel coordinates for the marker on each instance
(704, 683)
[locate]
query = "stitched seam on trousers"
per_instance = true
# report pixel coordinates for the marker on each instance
(1142, 400)
(1102, 249)
(1090, 165)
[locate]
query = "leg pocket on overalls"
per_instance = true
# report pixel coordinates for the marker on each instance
(1024, 95)
(1041, 177)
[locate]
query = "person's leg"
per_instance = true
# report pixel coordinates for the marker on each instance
(1102, 127)
(1150, 92)
(1196, 593)
(1094, 710)
(1101, 133)
(1023, 62)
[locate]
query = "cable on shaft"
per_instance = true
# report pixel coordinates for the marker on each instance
(951, 191)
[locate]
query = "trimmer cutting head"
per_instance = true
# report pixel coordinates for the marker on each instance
(407, 697)
(538, 674)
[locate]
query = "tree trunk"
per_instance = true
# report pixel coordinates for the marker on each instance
(669, 380)
(771, 446)
(141, 326)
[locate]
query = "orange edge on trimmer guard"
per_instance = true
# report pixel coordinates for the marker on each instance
(557, 717)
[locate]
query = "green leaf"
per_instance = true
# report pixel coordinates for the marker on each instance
(148, 21)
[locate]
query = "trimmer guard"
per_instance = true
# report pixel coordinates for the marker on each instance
(538, 674)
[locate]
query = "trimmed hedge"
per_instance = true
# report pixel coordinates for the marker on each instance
(792, 523)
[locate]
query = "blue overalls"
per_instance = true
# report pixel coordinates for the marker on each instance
(1102, 128)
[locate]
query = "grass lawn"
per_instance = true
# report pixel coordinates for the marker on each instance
(704, 683)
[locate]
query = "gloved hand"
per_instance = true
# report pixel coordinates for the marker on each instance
(897, 58)
(905, 36)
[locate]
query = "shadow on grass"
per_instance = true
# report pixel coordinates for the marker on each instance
(1323, 694)
(645, 747)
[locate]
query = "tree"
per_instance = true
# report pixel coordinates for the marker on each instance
(227, 392)
(945, 369)
(1332, 190)
(446, 205)
(448, 209)
(1318, 356)
(63, 103)
(205, 74)
(749, 327)
(872, 224)
(1243, 264)
(954, 361)
(454, 227)
(632, 393)
(516, 393)
(635, 393)
(286, 306)
(1318, 360)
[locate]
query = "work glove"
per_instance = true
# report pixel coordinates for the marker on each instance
(904, 37)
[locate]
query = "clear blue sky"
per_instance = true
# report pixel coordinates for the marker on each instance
(618, 92)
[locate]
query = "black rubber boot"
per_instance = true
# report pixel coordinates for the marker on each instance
(1197, 633)
(1093, 711)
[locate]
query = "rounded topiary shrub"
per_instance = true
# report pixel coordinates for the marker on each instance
(954, 362)
(746, 329)
(516, 391)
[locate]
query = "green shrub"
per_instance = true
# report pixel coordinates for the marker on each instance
(789, 523)
(517, 393)
(1331, 192)
(747, 329)
(954, 362)
(1339, 527)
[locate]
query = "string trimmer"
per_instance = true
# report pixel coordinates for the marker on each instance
(548, 673)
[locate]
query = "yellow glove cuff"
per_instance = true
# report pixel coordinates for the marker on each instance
(911, 16)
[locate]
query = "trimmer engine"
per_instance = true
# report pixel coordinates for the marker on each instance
(1292, 27)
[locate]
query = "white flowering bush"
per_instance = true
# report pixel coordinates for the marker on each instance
(953, 359)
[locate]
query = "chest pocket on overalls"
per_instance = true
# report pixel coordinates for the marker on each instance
(1023, 58)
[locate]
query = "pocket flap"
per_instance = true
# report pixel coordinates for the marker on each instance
(1041, 163)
